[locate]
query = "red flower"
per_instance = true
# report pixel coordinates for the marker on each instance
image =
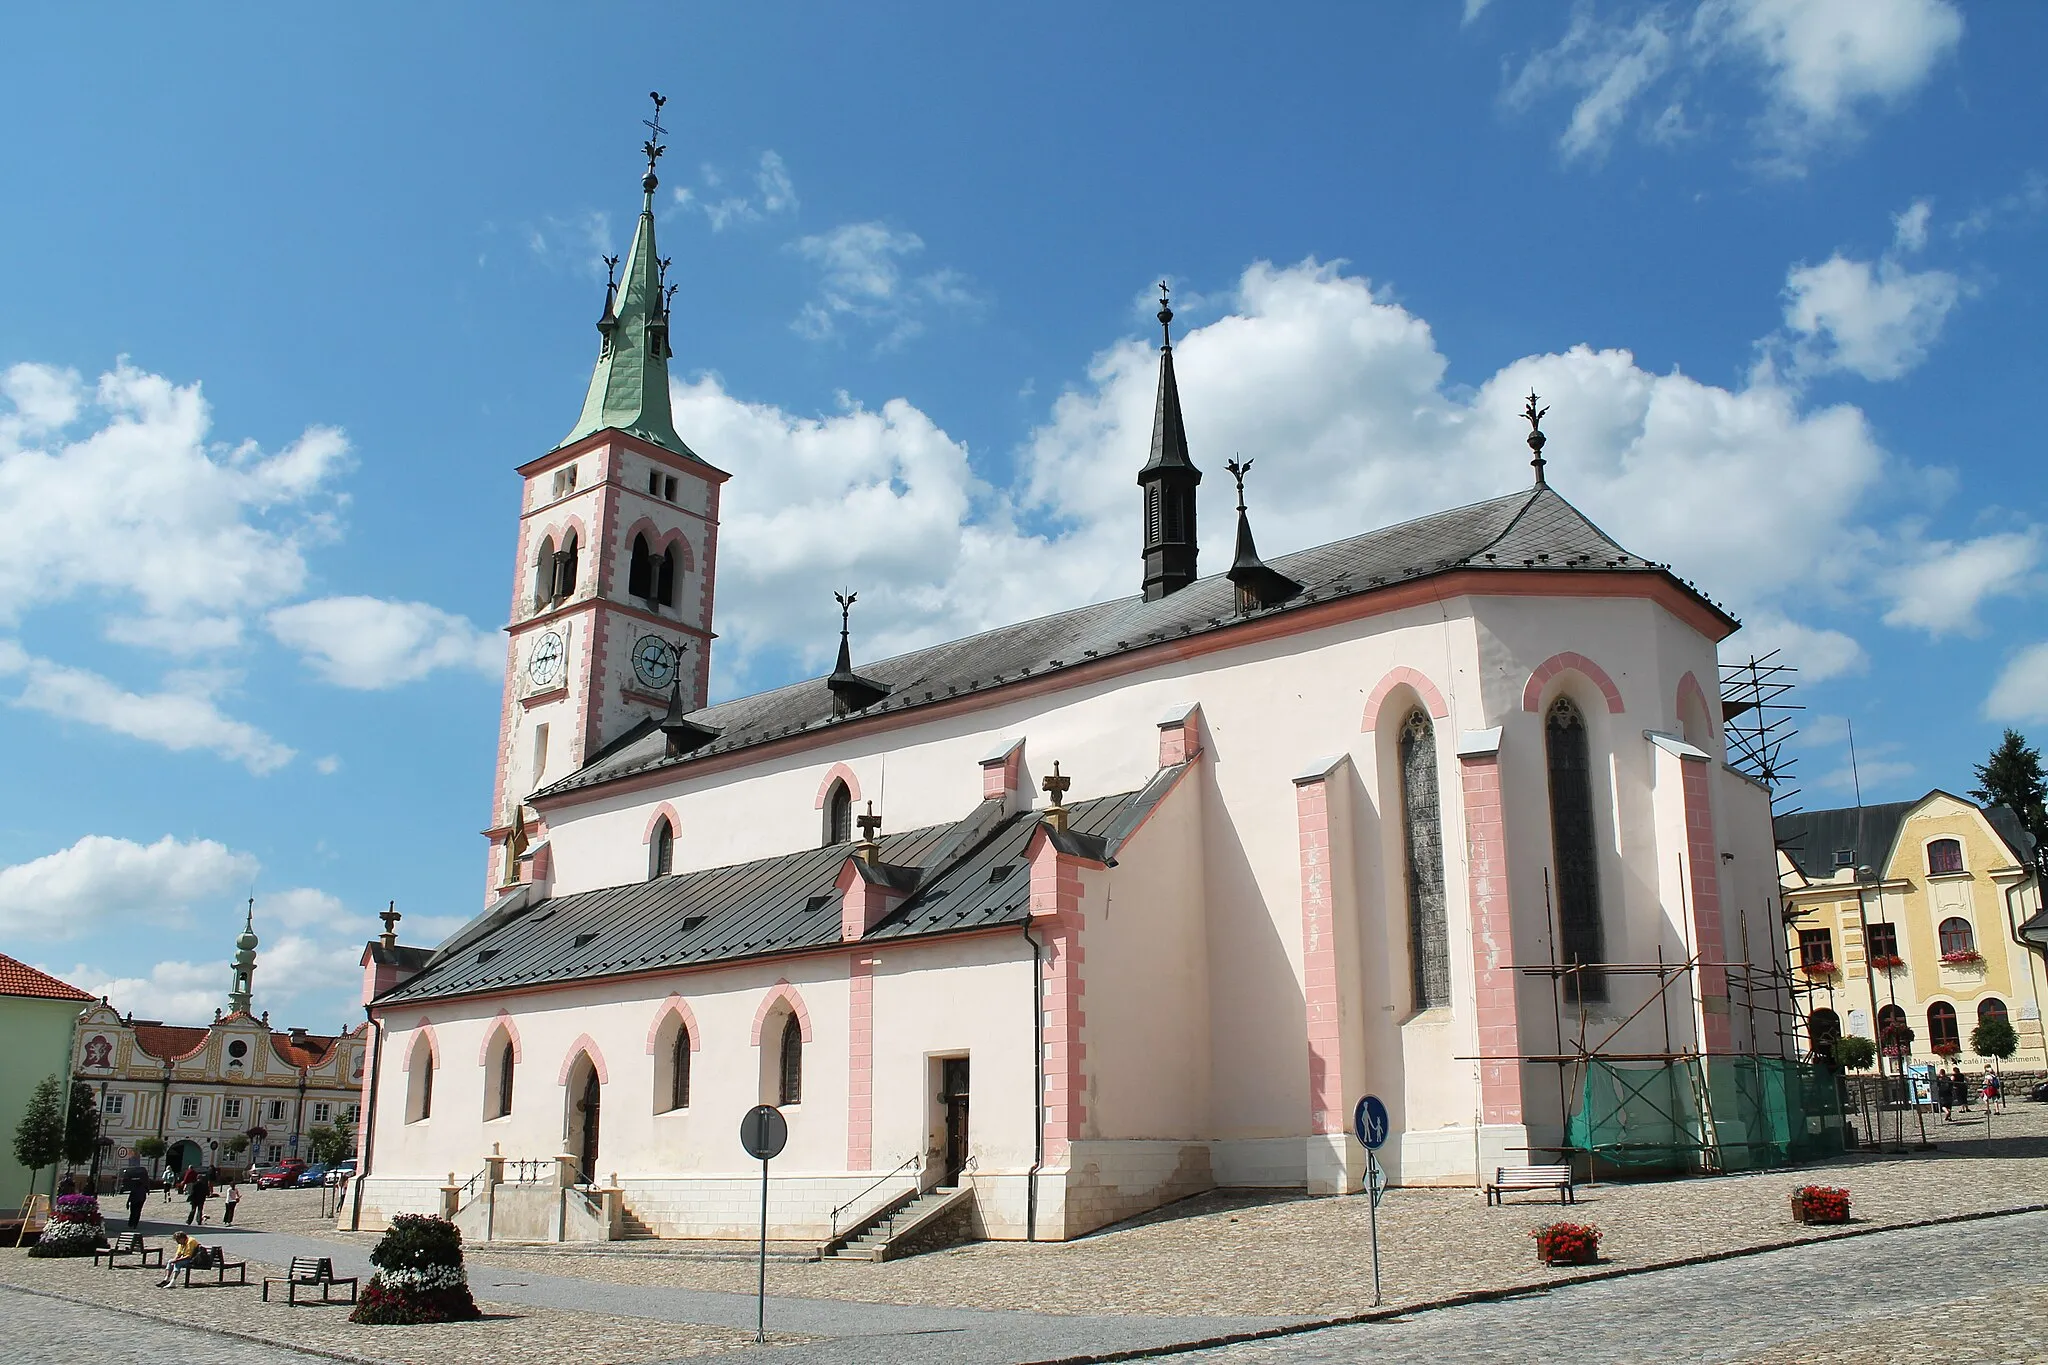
(1570, 1243)
(1823, 1203)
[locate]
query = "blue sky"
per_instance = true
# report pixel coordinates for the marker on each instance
(290, 295)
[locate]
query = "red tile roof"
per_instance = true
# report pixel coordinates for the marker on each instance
(169, 1042)
(18, 978)
(313, 1053)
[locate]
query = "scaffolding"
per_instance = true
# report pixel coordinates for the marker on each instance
(1757, 722)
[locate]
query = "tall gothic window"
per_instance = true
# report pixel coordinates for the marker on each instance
(1429, 948)
(665, 578)
(565, 566)
(1574, 850)
(661, 857)
(640, 570)
(679, 1071)
(838, 814)
(504, 1077)
(544, 574)
(792, 1088)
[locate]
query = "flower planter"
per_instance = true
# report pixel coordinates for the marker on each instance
(1567, 1244)
(1820, 1204)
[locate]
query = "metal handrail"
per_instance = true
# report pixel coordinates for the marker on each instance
(533, 1172)
(901, 1166)
(469, 1186)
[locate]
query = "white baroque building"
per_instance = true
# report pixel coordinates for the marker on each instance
(1308, 818)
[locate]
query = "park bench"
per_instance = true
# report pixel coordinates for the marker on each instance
(128, 1244)
(1509, 1179)
(218, 1262)
(305, 1272)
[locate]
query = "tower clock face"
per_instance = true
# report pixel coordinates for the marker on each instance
(544, 665)
(654, 661)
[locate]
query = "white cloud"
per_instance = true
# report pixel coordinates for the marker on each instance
(1818, 63)
(1877, 322)
(371, 643)
(1818, 654)
(1343, 398)
(2021, 693)
(1909, 228)
(182, 717)
(327, 766)
(298, 980)
(862, 279)
(774, 194)
(579, 242)
(1940, 590)
(78, 889)
(180, 536)
(1473, 8)
(173, 992)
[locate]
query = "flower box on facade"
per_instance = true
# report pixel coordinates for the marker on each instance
(1887, 962)
(1947, 1049)
(1820, 1204)
(1567, 1244)
(1962, 957)
(1822, 968)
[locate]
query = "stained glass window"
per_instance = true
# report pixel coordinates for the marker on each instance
(1574, 849)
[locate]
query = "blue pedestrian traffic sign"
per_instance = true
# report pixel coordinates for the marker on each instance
(1370, 1122)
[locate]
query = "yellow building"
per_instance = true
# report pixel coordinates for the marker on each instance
(1910, 912)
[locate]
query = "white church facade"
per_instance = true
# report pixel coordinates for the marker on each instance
(1152, 892)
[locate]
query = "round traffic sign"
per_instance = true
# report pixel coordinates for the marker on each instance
(1370, 1122)
(763, 1132)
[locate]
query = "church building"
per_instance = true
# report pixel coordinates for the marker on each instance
(1080, 915)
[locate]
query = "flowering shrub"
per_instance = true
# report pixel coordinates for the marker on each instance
(1820, 1204)
(1823, 967)
(1962, 957)
(74, 1228)
(1887, 962)
(419, 1275)
(1567, 1243)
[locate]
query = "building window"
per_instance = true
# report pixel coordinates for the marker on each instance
(1573, 847)
(1429, 947)
(502, 1064)
(353, 1112)
(1152, 516)
(665, 578)
(791, 1090)
(1944, 855)
(231, 1110)
(565, 481)
(1816, 946)
(565, 567)
(540, 750)
(1956, 936)
(276, 1152)
(654, 483)
(544, 573)
(322, 1112)
(188, 1107)
(679, 1073)
(1823, 1028)
(661, 856)
(838, 815)
(1942, 1034)
(668, 488)
(1881, 943)
(276, 1110)
(1894, 1034)
(419, 1100)
(640, 571)
(113, 1105)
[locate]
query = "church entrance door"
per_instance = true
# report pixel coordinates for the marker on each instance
(953, 1094)
(587, 1106)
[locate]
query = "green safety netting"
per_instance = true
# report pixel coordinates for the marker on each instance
(1707, 1114)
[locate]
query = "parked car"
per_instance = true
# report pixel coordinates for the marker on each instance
(342, 1172)
(311, 1177)
(2039, 1094)
(281, 1176)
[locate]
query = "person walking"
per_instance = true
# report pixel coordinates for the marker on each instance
(1989, 1090)
(138, 1195)
(195, 1200)
(234, 1197)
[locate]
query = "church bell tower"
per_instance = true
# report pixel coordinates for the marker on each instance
(1169, 479)
(617, 551)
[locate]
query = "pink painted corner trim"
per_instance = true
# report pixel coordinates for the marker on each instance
(583, 1046)
(679, 1007)
(1424, 688)
(782, 993)
(502, 1024)
(424, 1029)
(1532, 692)
(839, 772)
(675, 822)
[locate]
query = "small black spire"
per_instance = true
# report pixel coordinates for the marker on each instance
(850, 691)
(610, 319)
(1258, 583)
(681, 734)
(1535, 416)
(1169, 479)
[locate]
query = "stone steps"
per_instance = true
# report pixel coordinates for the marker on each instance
(872, 1241)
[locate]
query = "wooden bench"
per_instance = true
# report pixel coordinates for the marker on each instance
(218, 1262)
(306, 1271)
(128, 1244)
(1509, 1179)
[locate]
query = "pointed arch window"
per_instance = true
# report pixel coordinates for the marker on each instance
(791, 1089)
(544, 573)
(640, 573)
(1429, 949)
(838, 815)
(665, 578)
(679, 1070)
(501, 1054)
(1574, 849)
(565, 567)
(661, 853)
(419, 1100)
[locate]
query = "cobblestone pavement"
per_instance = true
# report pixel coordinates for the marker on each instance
(1968, 1292)
(1248, 1253)
(50, 1329)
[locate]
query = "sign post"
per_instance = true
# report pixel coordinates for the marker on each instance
(1371, 1123)
(763, 1132)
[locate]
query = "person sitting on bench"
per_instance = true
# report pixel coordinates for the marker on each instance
(188, 1256)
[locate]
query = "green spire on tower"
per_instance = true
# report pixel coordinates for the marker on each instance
(629, 386)
(245, 963)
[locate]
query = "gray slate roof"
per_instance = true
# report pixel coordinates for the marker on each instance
(1811, 838)
(973, 877)
(1533, 529)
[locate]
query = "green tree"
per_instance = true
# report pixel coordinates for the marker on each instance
(235, 1146)
(151, 1149)
(1994, 1038)
(2012, 777)
(39, 1137)
(326, 1145)
(82, 1128)
(1852, 1053)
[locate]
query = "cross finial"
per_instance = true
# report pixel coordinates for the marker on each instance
(391, 917)
(845, 600)
(1535, 415)
(870, 824)
(1238, 471)
(611, 266)
(653, 147)
(1056, 786)
(1165, 314)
